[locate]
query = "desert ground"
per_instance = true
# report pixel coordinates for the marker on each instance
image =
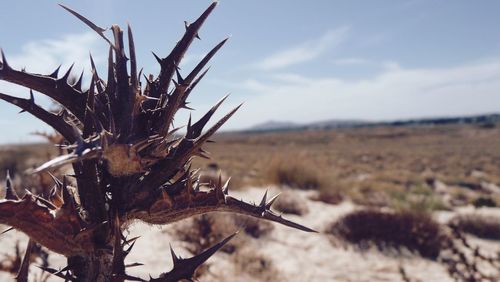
(445, 175)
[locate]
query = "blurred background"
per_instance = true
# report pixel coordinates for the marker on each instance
(378, 121)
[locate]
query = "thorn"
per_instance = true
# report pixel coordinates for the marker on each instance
(128, 241)
(55, 73)
(127, 251)
(273, 199)
(134, 264)
(68, 72)
(175, 83)
(10, 193)
(187, 107)
(219, 181)
(67, 198)
(180, 80)
(185, 268)
(90, 24)
(175, 258)
(225, 188)
(78, 84)
(198, 126)
(92, 63)
(59, 273)
(7, 230)
(31, 102)
(147, 79)
(158, 59)
(45, 202)
(140, 73)
(263, 201)
(27, 194)
(5, 65)
(196, 188)
(22, 274)
(189, 123)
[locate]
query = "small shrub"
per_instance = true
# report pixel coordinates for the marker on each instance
(295, 174)
(482, 226)
(484, 202)
(252, 227)
(249, 261)
(12, 262)
(414, 231)
(291, 204)
(205, 230)
(329, 196)
(417, 202)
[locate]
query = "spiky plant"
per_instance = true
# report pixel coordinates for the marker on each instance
(128, 162)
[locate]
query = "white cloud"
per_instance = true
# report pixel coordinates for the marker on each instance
(44, 57)
(360, 62)
(394, 93)
(190, 60)
(304, 52)
(351, 61)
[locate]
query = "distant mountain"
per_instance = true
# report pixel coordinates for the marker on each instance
(486, 120)
(334, 123)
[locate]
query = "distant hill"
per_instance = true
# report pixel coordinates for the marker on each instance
(287, 126)
(274, 125)
(486, 120)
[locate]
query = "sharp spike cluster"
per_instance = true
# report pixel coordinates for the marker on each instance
(129, 161)
(185, 268)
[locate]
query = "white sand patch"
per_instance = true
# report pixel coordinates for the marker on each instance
(296, 255)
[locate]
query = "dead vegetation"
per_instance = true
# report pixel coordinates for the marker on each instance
(379, 173)
(202, 231)
(248, 261)
(12, 262)
(482, 226)
(294, 172)
(290, 203)
(371, 166)
(128, 162)
(417, 232)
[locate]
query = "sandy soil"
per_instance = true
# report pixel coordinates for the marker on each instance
(296, 256)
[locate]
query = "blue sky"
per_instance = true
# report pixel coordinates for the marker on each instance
(299, 61)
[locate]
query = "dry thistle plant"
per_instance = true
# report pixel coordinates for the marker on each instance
(129, 164)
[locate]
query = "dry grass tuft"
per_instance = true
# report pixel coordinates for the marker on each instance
(253, 227)
(295, 174)
(290, 203)
(202, 231)
(482, 226)
(483, 201)
(12, 262)
(249, 261)
(333, 193)
(417, 232)
(205, 230)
